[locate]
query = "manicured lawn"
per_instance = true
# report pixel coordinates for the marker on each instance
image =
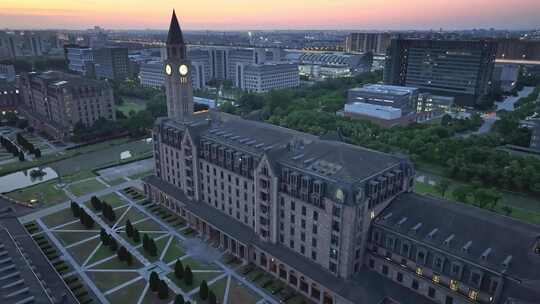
(89, 186)
(148, 225)
(107, 280)
(44, 192)
(102, 253)
(218, 288)
(81, 252)
(238, 293)
(133, 215)
(197, 279)
(118, 211)
(61, 217)
(68, 238)
(113, 199)
(152, 298)
(198, 265)
(174, 252)
(128, 294)
(115, 263)
(129, 106)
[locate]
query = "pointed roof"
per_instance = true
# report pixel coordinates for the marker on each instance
(175, 33)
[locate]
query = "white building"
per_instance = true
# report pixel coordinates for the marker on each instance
(151, 74)
(268, 76)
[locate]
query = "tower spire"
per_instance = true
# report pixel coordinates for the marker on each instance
(175, 33)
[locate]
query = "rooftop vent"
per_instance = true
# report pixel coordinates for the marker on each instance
(507, 261)
(467, 247)
(486, 254)
(297, 157)
(389, 215)
(416, 227)
(401, 221)
(448, 240)
(433, 233)
(259, 145)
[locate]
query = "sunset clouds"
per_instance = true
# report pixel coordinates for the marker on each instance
(275, 14)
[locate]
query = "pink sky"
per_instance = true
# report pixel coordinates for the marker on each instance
(275, 14)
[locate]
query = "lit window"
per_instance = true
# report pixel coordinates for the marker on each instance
(473, 294)
(372, 215)
(419, 271)
(454, 285)
(436, 278)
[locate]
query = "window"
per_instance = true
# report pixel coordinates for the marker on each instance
(385, 270)
(421, 256)
(419, 271)
(449, 300)
(476, 278)
(315, 216)
(436, 278)
(438, 262)
(405, 247)
(371, 263)
(304, 211)
(314, 255)
(314, 229)
(414, 285)
(473, 294)
(494, 283)
(314, 242)
(454, 285)
(333, 267)
(399, 277)
(431, 292)
(455, 270)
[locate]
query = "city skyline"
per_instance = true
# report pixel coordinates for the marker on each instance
(278, 14)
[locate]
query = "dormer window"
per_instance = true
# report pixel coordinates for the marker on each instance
(421, 256)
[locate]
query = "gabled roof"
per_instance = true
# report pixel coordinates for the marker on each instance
(175, 33)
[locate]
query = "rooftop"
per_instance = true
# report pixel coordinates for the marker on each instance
(385, 89)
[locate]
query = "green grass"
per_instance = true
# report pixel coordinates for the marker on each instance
(147, 225)
(81, 252)
(45, 192)
(128, 294)
(174, 252)
(133, 215)
(129, 106)
(68, 238)
(58, 218)
(113, 199)
(115, 263)
(89, 186)
(107, 280)
(198, 265)
(160, 244)
(101, 253)
(239, 293)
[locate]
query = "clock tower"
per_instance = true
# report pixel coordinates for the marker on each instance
(177, 74)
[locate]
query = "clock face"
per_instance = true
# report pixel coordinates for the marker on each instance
(183, 70)
(168, 69)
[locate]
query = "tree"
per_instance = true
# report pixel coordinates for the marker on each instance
(21, 155)
(146, 240)
(212, 298)
(129, 228)
(113, 245)
(442, 186)
(486, 198)
(136, 235)
(96, 203)
(129, 258)
(179, 299)
(75, 209)
(37, 153)
(460, 193)
(122, 253)
(178, 269)
(188, 276)
(163, 290)
(153, 281)
(203, 290)
(506, 210)
(152, 248)
(104, 237)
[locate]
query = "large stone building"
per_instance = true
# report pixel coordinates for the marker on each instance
(333, 221)
(455, 68)
(55, 102)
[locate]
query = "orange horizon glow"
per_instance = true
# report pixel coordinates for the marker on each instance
(275, 14)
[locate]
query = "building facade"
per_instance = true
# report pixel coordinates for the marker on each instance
(262, 78)
(80, 59)
(376, 43)
(111, 63)
(10, 97)
(7, 73)
(460, 69)
(151, 74)
(322, 65)
(55, 102)
(316, 214)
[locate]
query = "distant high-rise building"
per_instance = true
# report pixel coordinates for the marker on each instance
(376, 43)
(111, 62)
(456, 68)
(55, 102)
(10, 97)
(7, 73)
(80, 59)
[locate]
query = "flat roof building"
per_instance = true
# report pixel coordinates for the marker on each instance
(111, 63)
(265, 77)
(456, 68)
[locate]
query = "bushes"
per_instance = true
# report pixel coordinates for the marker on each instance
(149, 245)
(159, 286)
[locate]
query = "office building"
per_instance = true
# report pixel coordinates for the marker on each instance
(516, 49)
(265, 77)
(505, 76)
(332, 221)
(80, 59)
(10, 45)
(429, 103)
(111, 63)
(151, 74)
(7, 73)
(384, 104)
(376, 43)
(55, 102)
(456, 68)
(10, 97)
